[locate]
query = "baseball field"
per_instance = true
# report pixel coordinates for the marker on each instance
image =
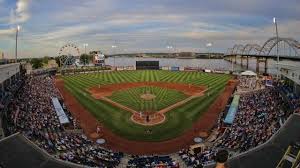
(113, 97)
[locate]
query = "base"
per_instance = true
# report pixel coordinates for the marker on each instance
(148, 120)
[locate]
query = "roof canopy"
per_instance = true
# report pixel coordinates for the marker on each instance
(248, 73)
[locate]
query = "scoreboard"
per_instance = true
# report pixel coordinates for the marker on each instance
(147, 65)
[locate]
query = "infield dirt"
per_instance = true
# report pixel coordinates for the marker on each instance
(89, 124)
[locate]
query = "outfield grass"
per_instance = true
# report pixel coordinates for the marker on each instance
(118, 120)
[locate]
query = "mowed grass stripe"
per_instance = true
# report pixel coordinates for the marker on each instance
(118, 120)
(132, 97)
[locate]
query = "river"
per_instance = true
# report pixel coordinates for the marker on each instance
(214, 64)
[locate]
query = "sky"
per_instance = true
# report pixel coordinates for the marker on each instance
(136, 26)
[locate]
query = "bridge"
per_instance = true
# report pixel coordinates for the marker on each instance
(288, 48)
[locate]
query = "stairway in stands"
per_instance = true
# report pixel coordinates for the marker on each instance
(291, 158)
(175, 157)
(178, 159)
(124, 161)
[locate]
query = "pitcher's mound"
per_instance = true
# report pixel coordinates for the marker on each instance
(148, 96)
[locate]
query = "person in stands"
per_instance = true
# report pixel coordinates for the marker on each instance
(221, 159)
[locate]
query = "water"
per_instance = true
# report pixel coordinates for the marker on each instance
(214, 64)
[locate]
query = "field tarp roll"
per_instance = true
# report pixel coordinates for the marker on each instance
(232, 110)
(62, 117)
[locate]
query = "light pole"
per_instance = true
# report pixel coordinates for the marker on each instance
(85, 57)
(85, 45)
(231, 65)
(277, 38)
(208, 45)
(169, 49)
(113, 47)
(175, 50)
(16, 49)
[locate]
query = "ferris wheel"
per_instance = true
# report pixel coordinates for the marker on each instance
(68, 54)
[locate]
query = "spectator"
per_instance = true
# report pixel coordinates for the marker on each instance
(221, 158)
(33, 114)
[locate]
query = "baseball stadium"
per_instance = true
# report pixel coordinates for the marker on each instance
(146, 107)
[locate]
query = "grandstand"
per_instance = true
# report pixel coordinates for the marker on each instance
(47, 148)
(42, 131)
(149, 84)
(270, 153)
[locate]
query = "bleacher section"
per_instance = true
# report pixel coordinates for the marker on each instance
(270, 153)
(232, 110)
(292, 98)
(151, 161)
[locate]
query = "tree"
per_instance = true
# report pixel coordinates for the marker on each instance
(36, 63)
(86, 58)
(45, 59)
(57, 59)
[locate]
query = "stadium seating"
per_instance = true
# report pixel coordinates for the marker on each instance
(152, 161)
(255, 122)
(293, 99)
(269, 153)
(199, 159)
(33, 114)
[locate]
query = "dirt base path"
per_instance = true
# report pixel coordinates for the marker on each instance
(117, 143)
(157, 117)
(102, 93)
(162, 111)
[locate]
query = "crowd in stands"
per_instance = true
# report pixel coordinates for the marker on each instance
(33, 114)
(248, 83)
(293, 98)
(2, 95)
(10, 90)
(197, 159)
(257, 120)
(152, 162)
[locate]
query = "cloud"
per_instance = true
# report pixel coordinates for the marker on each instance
(145, 25)
(5, 32)
(21, 13)
(63, 32)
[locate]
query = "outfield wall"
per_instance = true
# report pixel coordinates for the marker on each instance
(73, 71)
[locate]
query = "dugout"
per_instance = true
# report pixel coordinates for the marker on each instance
(152, 65)
(197, 148)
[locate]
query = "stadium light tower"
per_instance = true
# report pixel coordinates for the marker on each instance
(277, 38)
(169, 49)
(16, 49)
(113, 48)
(85, 45)
(209, 45)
